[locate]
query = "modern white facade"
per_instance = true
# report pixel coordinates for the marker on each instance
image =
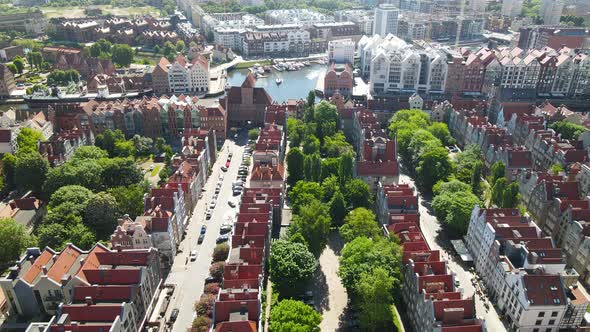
(341, 51)
(305, 17)
(386, 20)
(229, 37)
(392, 65)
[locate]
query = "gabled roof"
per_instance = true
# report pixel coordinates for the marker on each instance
(544, 289)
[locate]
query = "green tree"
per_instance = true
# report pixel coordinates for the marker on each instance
(142, 145)
(556, 168)
(330, 167)
(296, 130)
(216, 269)
(295, 160)
(311, 98)
(101, 214)
(253, 133)
(476, 179)
(31, 171)
(12, 68)
(466, 162)
(311, 145)
(375, 296)
(72, 194)
(441, 131)
(454, 209)
(130, 198)
(313, 223)
(122, 55)
(86, 173)
(14, 239)
(294, 316)
(27, 140)
(498, 191)
(434, 165)
(345, 168)
(124, 149)
(364, 255)
(330, 186)
(568, 130)
(100, 47)
(89, 152)
(8, 169)
(36, 59)
(511, 196)
(303, 193)
(53, 235)
(337, 208)
(107, 140)
(452, 186)
(19, 64)
(497, 171)
(336, 145)
(312, 165)
(220, 252)
(358, 194)
(291, 266)
(180, 46)
(326, 117)
(359, 222)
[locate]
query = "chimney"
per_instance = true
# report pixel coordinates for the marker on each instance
(44, 268)
(88, 300)
(118, 247)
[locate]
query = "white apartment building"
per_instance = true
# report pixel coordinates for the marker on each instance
(341, 51)
(229, 37)
(512, 8)
(551, 11)
(523, 272)
(392, 66)
(386, 20)
(305, 17)
(189, 77)
(362, 18)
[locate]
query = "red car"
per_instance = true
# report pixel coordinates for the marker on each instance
(227, 164)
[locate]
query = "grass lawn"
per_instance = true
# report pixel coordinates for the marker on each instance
(248, 64)
(156, 170)
(72, 12)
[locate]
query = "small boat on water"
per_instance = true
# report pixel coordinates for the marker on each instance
(279, 81)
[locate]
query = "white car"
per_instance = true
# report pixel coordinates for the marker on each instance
(208, 214)
(193, 255)
(212, 205)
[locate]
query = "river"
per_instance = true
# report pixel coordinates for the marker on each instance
(296, 84)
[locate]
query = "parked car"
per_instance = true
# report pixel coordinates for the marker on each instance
(227, 163)
(231, 204)
(230, 155)
(217, 190)
(222, 238)
(208, 214)
(225, 228)
(193, 255)
(223, 168)
(174, 314)
(203, 229)
(212, 205)
(211, 279)
(201, 238)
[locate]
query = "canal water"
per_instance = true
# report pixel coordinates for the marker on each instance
(296, 84)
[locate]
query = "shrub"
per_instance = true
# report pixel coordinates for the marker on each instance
(212, 288)
(204, 307)
(201, 324)
(216, 270)
(220, 252)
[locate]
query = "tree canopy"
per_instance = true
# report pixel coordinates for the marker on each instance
(360, 222)
(294, 316)
(313, 222)
(27, 140)
(568, 130)
(14, 239)
(291, 266)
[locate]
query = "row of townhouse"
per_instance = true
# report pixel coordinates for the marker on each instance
(182, 75)
(524, 273)
(561, 203)
(433, 301)
(469, 127)
(168, 117)
(99, 290)
(376, 160)
(167, 209)
(238, 304)
(394, 66)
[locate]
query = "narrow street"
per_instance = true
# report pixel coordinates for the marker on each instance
(437, 239)
(330, 296)
(189, 277)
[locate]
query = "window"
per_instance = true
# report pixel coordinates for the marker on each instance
(554, 314)
(541, 314)
(548, 330)
(552, 322)
(539, 322)
(535, 330)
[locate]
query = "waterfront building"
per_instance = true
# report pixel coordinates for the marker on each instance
(291, 43)
(305, 17)
(341, 51)
(338, 78)
(189, 76)
(246, 103)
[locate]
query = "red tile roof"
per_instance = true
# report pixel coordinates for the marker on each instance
(92, 313)
(37, 267)
(66, 259)
(544, 289)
